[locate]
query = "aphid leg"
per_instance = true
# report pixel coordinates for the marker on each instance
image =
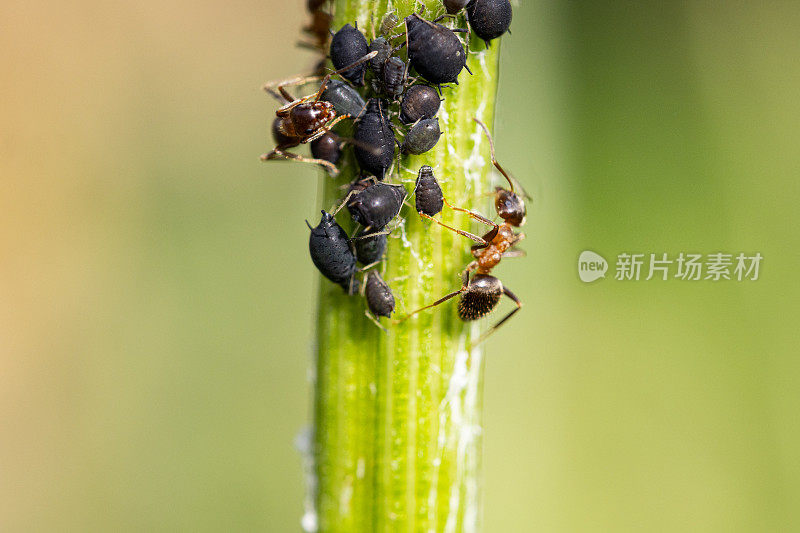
(278, 153)
(375, 321)
(460, 232)
(363, 108)
(503, 320)
(343, 203)
(510, 180)
(464, 283)
(367, 267)
(369, 235)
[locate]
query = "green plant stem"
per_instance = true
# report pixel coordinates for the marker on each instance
(397, 415)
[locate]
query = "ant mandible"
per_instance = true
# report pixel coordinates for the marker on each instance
(303, 120)
(481, 293)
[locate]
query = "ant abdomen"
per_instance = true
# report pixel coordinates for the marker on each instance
(481, 296)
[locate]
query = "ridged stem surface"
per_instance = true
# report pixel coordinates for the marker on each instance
(397, 415)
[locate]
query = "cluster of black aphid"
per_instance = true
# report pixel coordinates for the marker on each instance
(387, 90)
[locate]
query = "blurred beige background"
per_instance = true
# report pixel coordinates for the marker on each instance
(158, 304)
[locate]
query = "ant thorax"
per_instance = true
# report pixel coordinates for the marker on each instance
(308, 118)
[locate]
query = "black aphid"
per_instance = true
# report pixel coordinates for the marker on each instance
(394, 77)
(347, 46)
(428, 195)
(489, 19)
(420, 101)
(389, 22)
(454, 6)
(384, 49)
(376, 205)
(380, 299)
(327, 147)
(344, 97)
(369, 250)
(330, 251)
(375, 139)
(422, 136)
(434, 50)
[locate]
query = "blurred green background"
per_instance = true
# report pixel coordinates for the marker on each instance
(158, 302)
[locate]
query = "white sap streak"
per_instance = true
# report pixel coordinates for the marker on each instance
(303, 443)
(361, 468)
(474, 164)
(345, 497)
(407, 244)
(459, 428)
(469, 437)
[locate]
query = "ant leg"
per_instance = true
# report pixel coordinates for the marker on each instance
(434, 304)
(515, 253)
(471, 214)
(289, 82)
(503, 320)
(488, 237)
(326, 128)
(460, 232)
(279, 153)
(465, 273)
(285, 94)
(464, 285)
(327, 77)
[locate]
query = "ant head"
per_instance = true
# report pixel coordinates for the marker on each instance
(510, 207)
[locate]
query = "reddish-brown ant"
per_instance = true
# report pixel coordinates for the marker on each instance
(303, 120)
(481, 293)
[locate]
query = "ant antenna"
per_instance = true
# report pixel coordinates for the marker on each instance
(510, 180)
(491, 147)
